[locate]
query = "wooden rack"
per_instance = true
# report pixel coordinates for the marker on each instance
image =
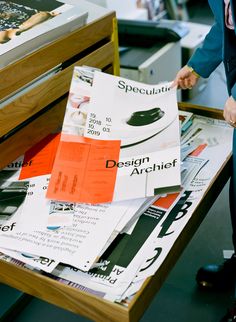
(39, 111)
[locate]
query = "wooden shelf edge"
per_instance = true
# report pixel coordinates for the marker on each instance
(62, 295)
(26, 69)
(44, 94)
(201, 110)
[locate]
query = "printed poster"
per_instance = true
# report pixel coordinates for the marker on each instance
(120, 140)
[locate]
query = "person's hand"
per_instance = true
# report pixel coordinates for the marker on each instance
(230, 111)
(185, 78)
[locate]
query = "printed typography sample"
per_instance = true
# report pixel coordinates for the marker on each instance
(120, 140)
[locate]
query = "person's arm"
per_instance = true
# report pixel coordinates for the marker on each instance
(185, 78)
(230, 111)
(206, 58)
(230, 108)
(233, 91)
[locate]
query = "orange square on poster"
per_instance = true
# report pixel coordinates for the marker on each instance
(39, 159)
(198, 150)
(167, 201)
(80, 172)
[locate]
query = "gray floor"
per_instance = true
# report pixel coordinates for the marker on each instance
(178, 300)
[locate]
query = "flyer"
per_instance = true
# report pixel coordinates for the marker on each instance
(120, 140)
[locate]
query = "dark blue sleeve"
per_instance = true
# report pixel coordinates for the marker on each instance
(233, 91)
(206, 58)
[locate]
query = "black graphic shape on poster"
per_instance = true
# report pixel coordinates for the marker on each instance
(125, 247)
(152, 260)
(12, 193)
(178, 211)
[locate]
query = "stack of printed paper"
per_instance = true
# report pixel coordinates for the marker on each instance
(108, 245)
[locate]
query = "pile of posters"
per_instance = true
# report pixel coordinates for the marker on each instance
(138, 252)
(110, 248)
(62, 231)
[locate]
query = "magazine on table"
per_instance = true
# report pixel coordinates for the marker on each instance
(120, 140)
(26, 25)
(59, 231)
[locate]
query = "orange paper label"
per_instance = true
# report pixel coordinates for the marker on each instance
(167, 201)
(198, 150)
(80, 173)
(39, 159)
